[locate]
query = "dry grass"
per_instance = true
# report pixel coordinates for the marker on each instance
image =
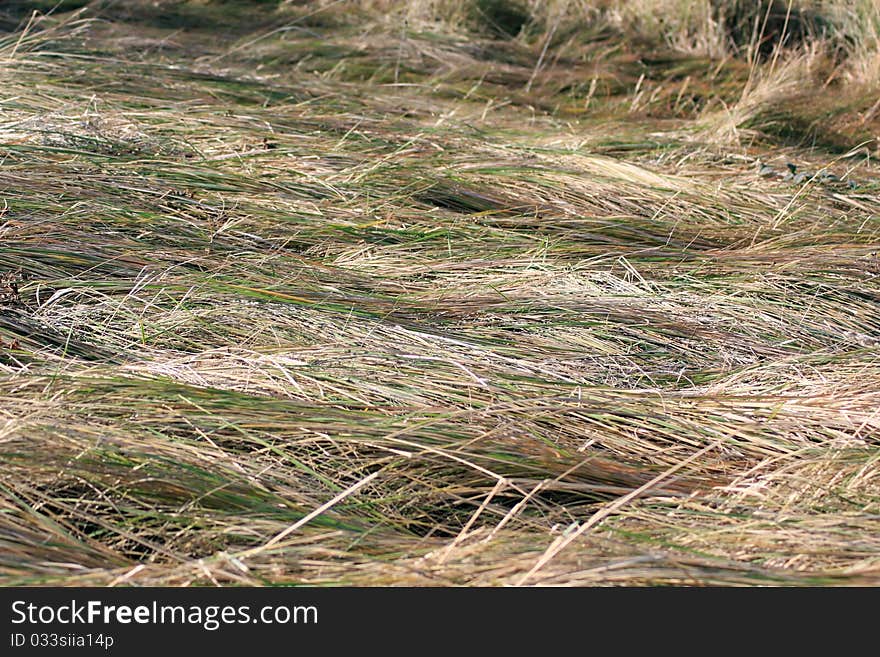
(375, 293)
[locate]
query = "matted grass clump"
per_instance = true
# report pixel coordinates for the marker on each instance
(438, 293)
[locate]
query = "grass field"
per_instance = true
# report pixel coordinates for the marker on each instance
(460, 292)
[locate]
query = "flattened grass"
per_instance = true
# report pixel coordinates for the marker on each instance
(468, 307)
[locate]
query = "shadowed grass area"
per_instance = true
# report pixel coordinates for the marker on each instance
(461, 294)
